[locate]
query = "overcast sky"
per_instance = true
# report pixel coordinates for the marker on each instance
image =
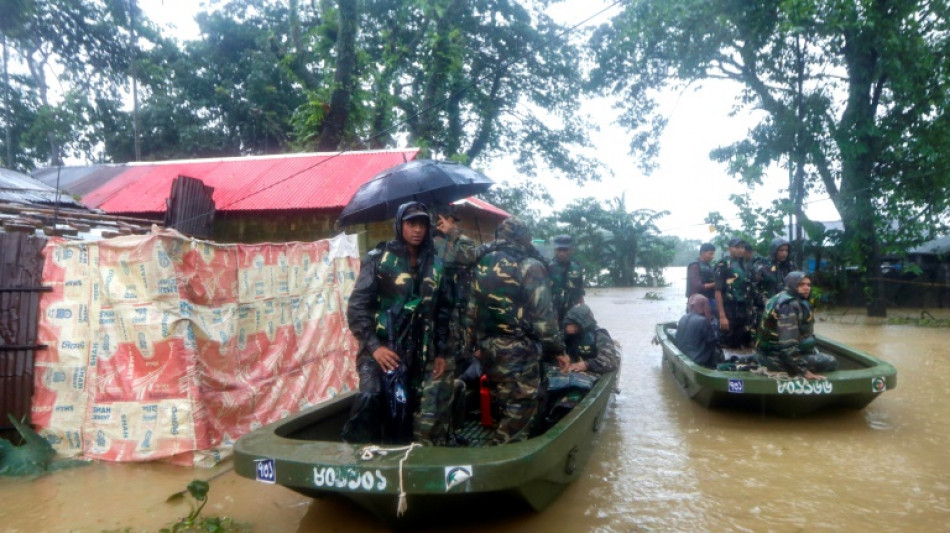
(686, 182)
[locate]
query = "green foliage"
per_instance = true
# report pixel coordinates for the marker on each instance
(198, 491)
(612, 242)
(852, 94)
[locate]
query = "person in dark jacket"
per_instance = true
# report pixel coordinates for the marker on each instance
(696, 334)
(786, 339)
(733, 298)
(399, 312)
(767, 276)
(701, 275)
(589, 347)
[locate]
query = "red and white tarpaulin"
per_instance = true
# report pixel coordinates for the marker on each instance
(166, 347)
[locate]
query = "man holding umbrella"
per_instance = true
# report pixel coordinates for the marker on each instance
(399, 312)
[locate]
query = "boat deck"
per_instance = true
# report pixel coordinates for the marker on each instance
(474, 433)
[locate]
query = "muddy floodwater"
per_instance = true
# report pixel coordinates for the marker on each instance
(662, 462)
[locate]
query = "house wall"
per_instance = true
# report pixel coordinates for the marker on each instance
(274, 226)
(307, 226)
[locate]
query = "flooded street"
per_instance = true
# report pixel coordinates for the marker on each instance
(662, 462)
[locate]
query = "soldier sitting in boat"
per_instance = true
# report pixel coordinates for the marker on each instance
(696, 334)
(591, 351)
(786, 340)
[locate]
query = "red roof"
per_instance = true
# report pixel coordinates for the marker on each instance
(284, 182)
(483, 206)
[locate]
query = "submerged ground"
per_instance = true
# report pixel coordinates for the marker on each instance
(662, 463)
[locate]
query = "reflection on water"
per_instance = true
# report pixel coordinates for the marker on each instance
(662, 462)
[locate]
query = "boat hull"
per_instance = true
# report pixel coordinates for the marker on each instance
(304, 453)
(859, 380)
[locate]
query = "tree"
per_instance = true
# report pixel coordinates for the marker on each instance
(614, 237)
(854, 95)
(83, 45)
(464, 80)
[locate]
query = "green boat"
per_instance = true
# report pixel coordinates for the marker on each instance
(860, 379)
(304, 453)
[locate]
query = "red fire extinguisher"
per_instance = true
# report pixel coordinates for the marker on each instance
(485, 402)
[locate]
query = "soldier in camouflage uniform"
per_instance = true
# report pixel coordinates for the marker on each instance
(767, 275)
(567, 277)
(399, 312)
(589, 347)
(732, 292)
(510, 322)
(786, 340)
(458, 254)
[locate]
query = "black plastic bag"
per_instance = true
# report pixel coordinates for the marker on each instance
(397, 414)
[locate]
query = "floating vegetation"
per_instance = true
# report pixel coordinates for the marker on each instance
(926, 320)
(652, 295)
(198, 490)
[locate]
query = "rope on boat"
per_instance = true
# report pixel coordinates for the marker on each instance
(372, 451)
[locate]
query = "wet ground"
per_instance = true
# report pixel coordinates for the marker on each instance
(662, 463)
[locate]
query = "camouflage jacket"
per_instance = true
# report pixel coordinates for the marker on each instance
(592, 345)
(787, 331)
(511, 297)
(732, 280)
(385, 289)
(768, 279)
(567, 286)
(458, 254)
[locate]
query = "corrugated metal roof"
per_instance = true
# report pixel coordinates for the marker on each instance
(19, 188)
(78, 180)
(482, 205)
(290, 181)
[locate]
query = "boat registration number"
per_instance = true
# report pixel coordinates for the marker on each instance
(349, 478)
(805, 387)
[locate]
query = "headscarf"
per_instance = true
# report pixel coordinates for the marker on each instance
(699, 304)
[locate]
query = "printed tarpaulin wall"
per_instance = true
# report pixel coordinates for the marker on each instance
(166, 347)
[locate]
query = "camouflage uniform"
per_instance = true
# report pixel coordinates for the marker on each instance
(387, 289)
(767, 277)
(567, 281)
(458, 254)
(732, 282)
(786, 340)
(592, 345)
(510, 319)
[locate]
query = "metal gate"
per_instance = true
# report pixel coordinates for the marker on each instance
(21, 272)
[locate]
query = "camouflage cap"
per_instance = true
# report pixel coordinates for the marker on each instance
(514, 230)
(562, 241)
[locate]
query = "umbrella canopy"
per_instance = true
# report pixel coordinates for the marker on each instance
(424, 180)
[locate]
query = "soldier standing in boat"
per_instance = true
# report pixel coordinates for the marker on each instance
(510, 324)
(786, 339)
(458, 254)
(701, 276)
(732, 295)
(768, 275)
(399, 312)
(567, 277)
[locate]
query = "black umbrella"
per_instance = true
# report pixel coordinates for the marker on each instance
(424, 180)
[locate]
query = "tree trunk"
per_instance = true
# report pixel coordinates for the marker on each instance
(344, 81)
(856, 142)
